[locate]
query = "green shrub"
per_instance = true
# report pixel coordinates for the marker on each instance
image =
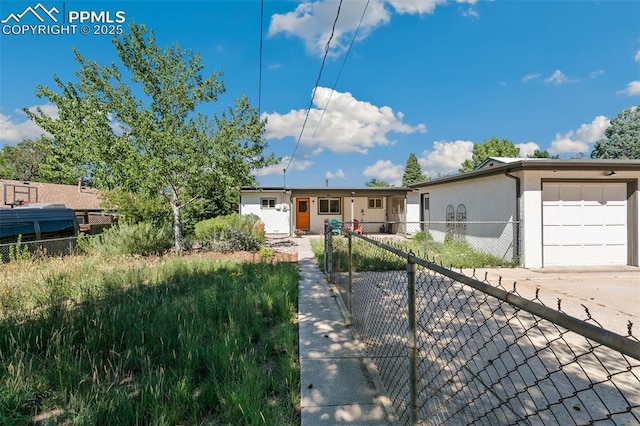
(231, 232)
(423, 237)
(142, 238)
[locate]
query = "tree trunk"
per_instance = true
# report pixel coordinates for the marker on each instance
(177, 231)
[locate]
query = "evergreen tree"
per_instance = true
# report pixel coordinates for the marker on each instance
(412, 173)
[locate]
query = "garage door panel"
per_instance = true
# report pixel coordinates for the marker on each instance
(570, 214)
(616, 215)
(612, 254)
(615, 235)
(584, 223)
(592, 194)
(571, 235)
(616, 193)
(550, 194)
(552, 235)
(568, 193)
(593, 215)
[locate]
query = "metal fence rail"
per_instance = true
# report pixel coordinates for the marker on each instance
(58, 246)
(453, 349)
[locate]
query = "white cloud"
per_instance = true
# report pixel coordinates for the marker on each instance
(530, 77)
(385, 170)
(595, 74)
(296, 164)
(558, 77)
(446, 157)
(581, 139)
(339, 174)
(632, 89)
(415, 6)
(348, 125)
(312, 21)
(20, 128)
(528, 148)
(637, 57)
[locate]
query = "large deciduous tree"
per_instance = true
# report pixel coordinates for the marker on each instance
(493, 147)
(375, 183)
(412, 172)
(156, 144)
(622, 138)
(543, 154)
(33, 160)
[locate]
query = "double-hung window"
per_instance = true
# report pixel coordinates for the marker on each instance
(267, 203)
(329, 206)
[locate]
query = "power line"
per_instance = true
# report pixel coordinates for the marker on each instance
(260, 69)
(333, 89)
(260, 66)
(313, 93)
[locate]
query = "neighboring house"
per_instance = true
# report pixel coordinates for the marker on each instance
(570, 212)
(85, 201)
(284, 210)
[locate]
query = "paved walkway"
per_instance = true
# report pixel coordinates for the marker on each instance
(336, 386)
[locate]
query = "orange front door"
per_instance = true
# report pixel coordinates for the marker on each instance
(302, 213)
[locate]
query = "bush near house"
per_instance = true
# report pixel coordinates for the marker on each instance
(232, 232)
(141, 238)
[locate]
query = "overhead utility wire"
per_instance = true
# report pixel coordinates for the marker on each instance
(260, 66)
(260, 69)
(313, 93)
(333, 89)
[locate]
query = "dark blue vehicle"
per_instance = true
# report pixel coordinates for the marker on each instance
(40, 222)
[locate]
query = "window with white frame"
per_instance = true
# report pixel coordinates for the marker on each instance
(267, 203)
(375, 203)
(328, 205)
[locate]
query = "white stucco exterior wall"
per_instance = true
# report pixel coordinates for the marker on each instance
(276, 220)
(413, 213)
(485, 199)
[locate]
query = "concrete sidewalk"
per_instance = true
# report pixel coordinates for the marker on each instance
(336, 386)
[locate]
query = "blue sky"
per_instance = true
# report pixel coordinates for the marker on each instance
(431, 77)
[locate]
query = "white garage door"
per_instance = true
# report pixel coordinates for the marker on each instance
(584, 223)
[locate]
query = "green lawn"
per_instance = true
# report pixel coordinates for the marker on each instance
(160, 341)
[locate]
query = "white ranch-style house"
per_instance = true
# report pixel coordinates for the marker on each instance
(569, 212)
(542, 212)
(284, 210)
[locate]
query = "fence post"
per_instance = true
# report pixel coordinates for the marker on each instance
(350, 289)
(329, 251)
(413, 343)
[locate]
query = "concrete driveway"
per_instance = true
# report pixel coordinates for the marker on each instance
(611, 294)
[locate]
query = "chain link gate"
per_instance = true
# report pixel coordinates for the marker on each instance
(454, 349)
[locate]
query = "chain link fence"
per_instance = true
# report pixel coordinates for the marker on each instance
(497, 238)
(452, 349)
(26, 249)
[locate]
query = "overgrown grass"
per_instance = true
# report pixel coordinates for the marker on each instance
(159, 341)
(369, 257)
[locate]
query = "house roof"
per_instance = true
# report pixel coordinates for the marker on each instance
(73, 196)
(331, 191)
(491, 161)
(537, 164)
